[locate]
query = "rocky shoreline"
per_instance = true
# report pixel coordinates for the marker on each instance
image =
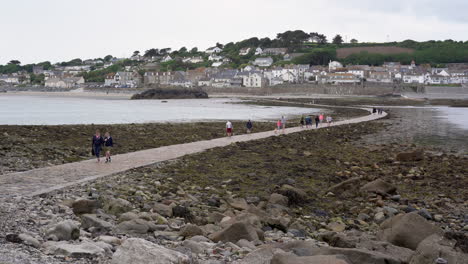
(323, 196)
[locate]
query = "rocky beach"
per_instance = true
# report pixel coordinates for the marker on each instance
(344, 194)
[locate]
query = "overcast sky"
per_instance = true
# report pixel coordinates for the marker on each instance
(59, 30)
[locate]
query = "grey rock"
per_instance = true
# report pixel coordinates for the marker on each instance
(288, 258)
(191, 230)
(407, 230)
(236, 232)
(379, 186)
(260, 256)
(84, 249)
(135, 226)
(66, 230)
(276, 198)
(435, 246)
(424, 213)
(117, 206)
(127, 217)
(115, 241)
(162, 209)
(84, 206)
(140, 251)
(29, 240)
(92, 221)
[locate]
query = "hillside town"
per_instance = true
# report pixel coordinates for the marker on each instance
(269, 67)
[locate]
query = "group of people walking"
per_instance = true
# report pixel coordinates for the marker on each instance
(306, 121)
(99, 142)
(377, 111)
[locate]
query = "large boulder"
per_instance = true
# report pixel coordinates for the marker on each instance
(435, 246)
(91, 221)
(66, 230)
(236, 232)
(135, 226)
(162, 209)
(260, 256)
(379, 186)
(289, 258)
(29, 240)
(355, 255)
(82, 250)
(191, 231)
(400, 253)
(276, 198)
(238, 203)
(116, 206)
(410, 156)
(407, 230)
(140, 251)
(84, 206)
(345, 185)
(295, 196)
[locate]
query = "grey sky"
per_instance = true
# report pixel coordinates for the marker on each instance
(59, 30)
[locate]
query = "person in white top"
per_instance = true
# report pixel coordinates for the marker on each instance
(329, 120)
(229, 128)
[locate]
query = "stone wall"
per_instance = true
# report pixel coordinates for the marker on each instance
(301, 89)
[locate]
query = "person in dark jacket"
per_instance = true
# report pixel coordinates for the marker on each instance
(108, 144)
(249, 126)
(317, 121)
(98, 141)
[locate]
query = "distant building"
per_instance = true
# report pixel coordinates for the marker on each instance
(244, 51)
(263, 62)
(68, 82)
(38, 70)
(213, 50)
(378, 76)
(413, 78)
(333, 65)
(166, 58)
(253, 79)
(340, 78)
(258, 51)
(275, 51)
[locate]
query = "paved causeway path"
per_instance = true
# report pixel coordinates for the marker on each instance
(44, 180)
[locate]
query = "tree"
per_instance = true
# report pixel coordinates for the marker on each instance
(318, 38)
(338, 40)
(194, 50)
(14, 62)
(108, 57)
(183, 50)
(151, 53)
(136, 53)
(354, 41)
(219, 45)
(165, 51)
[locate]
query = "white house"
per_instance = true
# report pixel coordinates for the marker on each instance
(413, 78)
(340, 78)
(217, 64)
(214, 57)
(258, 51)
(440, 71)
(436, 79)
(263, 62)
(333, 65)
(166, 58)
(244, 51)
(213, 50)
(70, 82)
(9, 79)
(254, 79)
